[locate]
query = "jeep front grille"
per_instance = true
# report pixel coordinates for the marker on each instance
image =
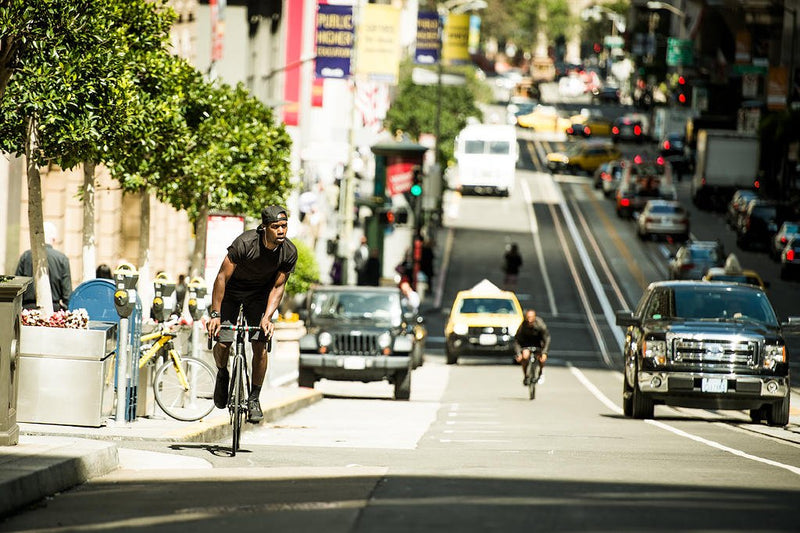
(347, 344)
(711, 353)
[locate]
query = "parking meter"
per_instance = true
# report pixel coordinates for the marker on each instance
(164, 299)
(125, 279)
(197, 297)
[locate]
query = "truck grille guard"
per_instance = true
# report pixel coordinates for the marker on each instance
(718, 352)
(348, 344)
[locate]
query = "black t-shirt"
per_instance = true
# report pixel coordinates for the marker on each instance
(256, 266)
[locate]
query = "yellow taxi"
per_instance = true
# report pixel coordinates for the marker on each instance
(544, 118)
(483, 321)
(583, 156)
(596, 124)
(732, 271)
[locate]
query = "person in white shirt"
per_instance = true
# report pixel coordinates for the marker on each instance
(410, 297)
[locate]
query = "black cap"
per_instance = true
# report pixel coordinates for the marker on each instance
(273, 213)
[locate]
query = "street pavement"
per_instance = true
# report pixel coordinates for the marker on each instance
(52, 458)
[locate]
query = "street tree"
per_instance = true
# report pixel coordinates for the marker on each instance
(68, 89)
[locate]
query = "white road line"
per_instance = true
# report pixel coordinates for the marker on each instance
(473, 440)
(537, 244)
(713, 444)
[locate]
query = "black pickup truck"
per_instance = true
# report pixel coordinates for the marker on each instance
(358, 334)
(711, 345)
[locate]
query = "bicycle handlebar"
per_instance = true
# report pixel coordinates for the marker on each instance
(240, 328)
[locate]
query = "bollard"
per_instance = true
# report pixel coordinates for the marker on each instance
(11, 290)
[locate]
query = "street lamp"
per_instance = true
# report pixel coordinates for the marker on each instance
(671, 9)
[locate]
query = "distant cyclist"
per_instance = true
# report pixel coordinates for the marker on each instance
(254, 275)
(532, 338)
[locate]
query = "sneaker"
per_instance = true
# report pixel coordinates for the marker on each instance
(221, 389)
(254, 413)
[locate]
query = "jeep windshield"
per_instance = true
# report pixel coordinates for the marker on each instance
(710, 303)
(382, 308)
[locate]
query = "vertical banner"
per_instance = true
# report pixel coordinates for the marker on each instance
(335, 33)
(294, 50)
(217, 9)
(474, 40)
(399, 174)
(427, 44)
(777, 87)
(455, 39)
(378, 46)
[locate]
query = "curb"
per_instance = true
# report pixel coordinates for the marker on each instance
(58, 464)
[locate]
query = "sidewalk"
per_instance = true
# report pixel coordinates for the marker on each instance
(52, 458)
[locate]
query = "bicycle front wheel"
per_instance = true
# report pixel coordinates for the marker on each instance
(238, 403)
(533, 377)
(187, 404)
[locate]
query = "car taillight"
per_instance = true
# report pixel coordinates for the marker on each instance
(587, 130)
(687, 266)
(570, 131)
(637, 130)
(790, 255)
(615, 130)
(666, 145)
(784, 240)
(605, 176)
(648, 220)
(624, 202)
(756, 184)
(637, 159)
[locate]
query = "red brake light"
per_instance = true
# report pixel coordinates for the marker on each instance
(687, 266)
(624, 202)
(570, 130)
(784, 240)
(637, 159)
(682, 98)
(660, 160)
(756, 184)
(615, 130)
(637, 130)
(790, 255)
(666, 145)
(587, 130)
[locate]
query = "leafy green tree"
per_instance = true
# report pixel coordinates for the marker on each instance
(67, 91)
(306, 271)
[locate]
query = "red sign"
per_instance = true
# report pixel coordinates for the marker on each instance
(399, 174)
(294, 48)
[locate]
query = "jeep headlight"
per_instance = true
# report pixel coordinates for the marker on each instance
(774, 354)
(325, 339)
(460, 329)
(655, 350)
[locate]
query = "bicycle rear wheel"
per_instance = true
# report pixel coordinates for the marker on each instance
(238, 407)
(179, 403)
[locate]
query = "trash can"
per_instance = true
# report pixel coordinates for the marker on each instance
(97, 297)
(67, 375)
(11, 289)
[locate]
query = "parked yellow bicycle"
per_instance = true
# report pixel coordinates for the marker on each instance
(183, 386)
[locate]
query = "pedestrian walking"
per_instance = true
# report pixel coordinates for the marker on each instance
(512, 261)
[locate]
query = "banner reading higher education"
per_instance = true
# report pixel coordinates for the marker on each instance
(334, 41)
(455, 40)
(427, 48)
(378, 46)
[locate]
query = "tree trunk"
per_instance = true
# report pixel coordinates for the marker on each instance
(145, 283)
(199, 254)
(41, 275)
(89, 248)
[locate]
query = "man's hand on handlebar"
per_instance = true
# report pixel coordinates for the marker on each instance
(267, 326)
(213, 326)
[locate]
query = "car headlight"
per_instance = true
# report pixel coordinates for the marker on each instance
(325, 339)
(460, 329)
(774, 354)
(655, 350)
(384, 340)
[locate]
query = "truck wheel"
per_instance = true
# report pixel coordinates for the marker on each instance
(305, 377)
(627, 398)
(778, 413)
(452, 358)
(402, 385)
(756, 415)
(641, 406)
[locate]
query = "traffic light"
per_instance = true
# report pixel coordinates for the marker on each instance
(682, 91)
(416, 184)
(386, 217)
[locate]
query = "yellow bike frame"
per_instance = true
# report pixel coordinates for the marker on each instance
(164, 338)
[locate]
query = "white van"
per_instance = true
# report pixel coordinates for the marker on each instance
(486, 157)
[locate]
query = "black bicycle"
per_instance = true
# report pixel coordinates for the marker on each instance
(533, 373)
(239, 386)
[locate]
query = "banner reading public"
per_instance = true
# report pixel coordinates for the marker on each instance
(427, 45)
(335, 32)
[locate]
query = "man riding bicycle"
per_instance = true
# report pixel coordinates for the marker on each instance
(532, 337)
(252, 275)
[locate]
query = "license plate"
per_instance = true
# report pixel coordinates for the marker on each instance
(487, 339)
(355, 363)
(717, 385)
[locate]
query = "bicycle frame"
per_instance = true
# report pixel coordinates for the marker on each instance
(164, 341)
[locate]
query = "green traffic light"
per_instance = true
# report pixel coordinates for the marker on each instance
(416, 189)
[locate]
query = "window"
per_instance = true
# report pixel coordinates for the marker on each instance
(660, 305)
(474, 147)
(499, 147)
(487, 305)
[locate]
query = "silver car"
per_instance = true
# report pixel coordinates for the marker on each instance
(694, 258)
(663, 217)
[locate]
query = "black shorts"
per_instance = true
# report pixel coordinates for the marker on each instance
(254, 307)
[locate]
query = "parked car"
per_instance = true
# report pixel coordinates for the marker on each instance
(787, 232)
(663, 218)
(790, 258)
(579, 130)
(672, 148)
(612, 181)
(733, 272)
(694, 258)
(357, 334)
(628, 129)
(544, 118)
(519, 105)
(482, 321)
(597, 124)
(583, 156)
(738, 205)
(643, 179)
(760, 222)
(706, 345)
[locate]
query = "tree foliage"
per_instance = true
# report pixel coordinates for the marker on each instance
(414, 110)
(306, 271)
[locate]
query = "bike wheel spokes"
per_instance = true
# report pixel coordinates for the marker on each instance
(237, 403)
(179, 402)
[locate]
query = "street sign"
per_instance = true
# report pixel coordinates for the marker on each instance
(680, 52)
(613, 41)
